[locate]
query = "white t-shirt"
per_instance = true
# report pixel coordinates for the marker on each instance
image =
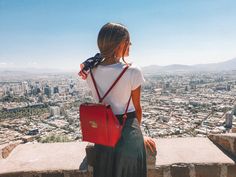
(120, 93)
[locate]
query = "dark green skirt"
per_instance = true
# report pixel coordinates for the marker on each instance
(127, 159)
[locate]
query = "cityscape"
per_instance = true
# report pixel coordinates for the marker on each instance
(186, 53)
(44, 107)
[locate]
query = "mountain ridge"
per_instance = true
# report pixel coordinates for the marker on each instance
(151, 69)
(219, 66)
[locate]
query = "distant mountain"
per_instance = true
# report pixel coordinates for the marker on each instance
(221, 66)
(226, 65)
(152, 69)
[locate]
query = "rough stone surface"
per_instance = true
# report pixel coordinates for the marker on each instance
(53, 175)
(45, 157)
(231, 171)
(155, 172)
(189, 150)
(179, 171)
(6, 149)
(80, 174)
(205, 170)
(176, 157)
(90, 152)
(226, 141)
(151, 158)
(13, 175)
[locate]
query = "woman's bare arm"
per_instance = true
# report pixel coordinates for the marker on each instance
(136, 94)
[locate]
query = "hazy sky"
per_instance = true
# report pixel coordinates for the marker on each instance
(62, 33)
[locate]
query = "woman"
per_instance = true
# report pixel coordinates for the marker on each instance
(128, 158)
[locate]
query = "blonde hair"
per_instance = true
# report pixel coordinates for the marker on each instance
(110, 36)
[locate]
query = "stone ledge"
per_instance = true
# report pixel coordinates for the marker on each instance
(71, 173)
(39, 157)
(174, 170)
(7, 148)
(176, 157)
(194, 170)
(90, 153)
(191, 150)
(226, 141)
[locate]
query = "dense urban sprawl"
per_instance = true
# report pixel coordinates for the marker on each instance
(45, 106)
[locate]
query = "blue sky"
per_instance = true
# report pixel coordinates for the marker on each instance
(62, 33)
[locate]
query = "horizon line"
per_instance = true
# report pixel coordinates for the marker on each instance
(73, 69)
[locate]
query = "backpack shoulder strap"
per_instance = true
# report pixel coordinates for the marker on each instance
(95, 85)
(108, 91)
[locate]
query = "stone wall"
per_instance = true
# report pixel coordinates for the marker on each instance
(6, 149)
(175, 157)
(225, 141)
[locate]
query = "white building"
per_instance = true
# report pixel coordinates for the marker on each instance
(25, 87)
(54, 111)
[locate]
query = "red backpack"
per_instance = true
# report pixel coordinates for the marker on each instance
(98, 123)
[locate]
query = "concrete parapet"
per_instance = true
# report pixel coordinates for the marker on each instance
(90, 152)
(70, 173)
(226, 141)
(176, 157)
(193, 170)
(6, 149)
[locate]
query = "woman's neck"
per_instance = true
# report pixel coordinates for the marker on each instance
(109, 61)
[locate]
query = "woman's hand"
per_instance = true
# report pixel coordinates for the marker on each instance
(82, 73)
(150, 144)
